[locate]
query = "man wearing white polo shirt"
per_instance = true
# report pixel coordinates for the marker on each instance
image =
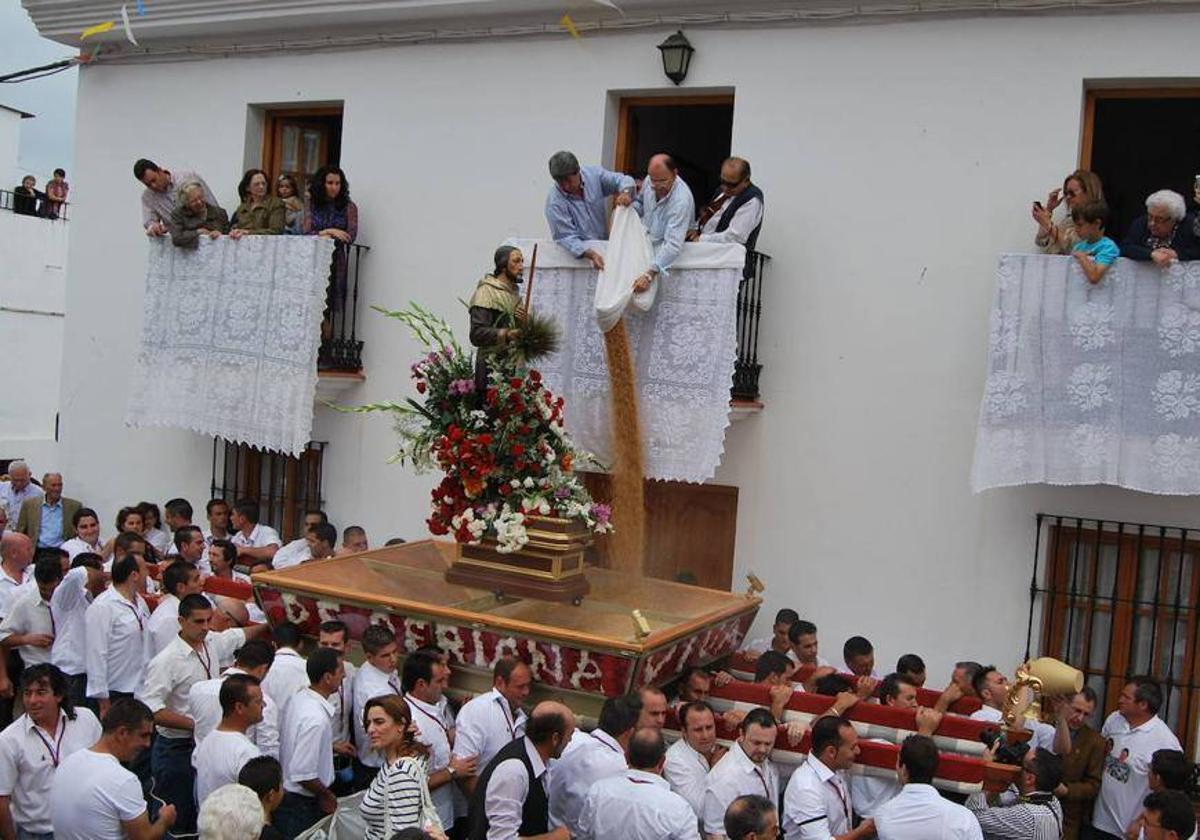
(918, 811)
(118, 635)
(204, 698)
(195, 654)
(93, 797)
(32, 748)
(490, 721)
(29, 625)
(422, 680)
(1135, 732)
(190, 546)
(376, 677)
(319, 542)
(638, 804)
(179, 580)
(691, 757)
(288, 673)
(588, 758)
(253, 541)
(816, 804)
(746, 768)
(306, 747)
(69, 604)
(226, 750)
(992, 688)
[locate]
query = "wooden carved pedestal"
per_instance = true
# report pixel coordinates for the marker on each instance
(549, 567)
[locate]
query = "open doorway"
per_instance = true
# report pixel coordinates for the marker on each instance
(1139, 141)
(299, 141)
(695, 130)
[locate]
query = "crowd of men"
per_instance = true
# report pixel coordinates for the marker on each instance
(162, 719)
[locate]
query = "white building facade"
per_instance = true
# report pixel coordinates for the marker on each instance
(898, 156)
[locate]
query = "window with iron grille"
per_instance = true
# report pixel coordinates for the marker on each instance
(1117, 599)
(284, 486)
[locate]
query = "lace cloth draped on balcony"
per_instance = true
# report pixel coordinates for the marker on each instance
(683, 350)
(229, 339)
(1092, 384)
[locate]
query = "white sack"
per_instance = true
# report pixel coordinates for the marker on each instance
(628, 257)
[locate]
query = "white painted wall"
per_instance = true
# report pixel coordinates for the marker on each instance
(32, 291)
(10, 140)
(898, 161)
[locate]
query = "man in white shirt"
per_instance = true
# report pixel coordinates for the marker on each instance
(318, 542)
(16, 559)
(588, 758)
(816, 804)
(336, 636)
(422, 680)
(487, 722)
(859, 655)
(69, 604)
(752, 817)
(93, 797)
(654, 708)
(29, 625)
(117, 635)
(220, 759)
(638, 803)
(33, 746)
(691, 757)
(376, 677)
(179, 580)
(735, 214)
(306, 747)
(992, 688)
(867, 790)
(18, 489)
(805, 647)
(188, 542)
(746, 768)
(1135, 733)
(354, 540)
(177, 513)
(288, 673)
(217, 512)
(87, 534)
(252, 659)
(253, 541)
(918, 811)
(195, 654)
(509, 800)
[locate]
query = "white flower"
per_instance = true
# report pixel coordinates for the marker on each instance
(1177, 395)
(1174, 456)
(510, 531)
(1088, 386)
(1091, 325)
(1003, 396)
(1179, 329)
(528, 483)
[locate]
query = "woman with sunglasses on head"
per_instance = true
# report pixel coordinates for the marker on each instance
(1056, 231)
(398, 797)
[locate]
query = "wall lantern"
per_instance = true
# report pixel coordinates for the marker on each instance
(676, 56)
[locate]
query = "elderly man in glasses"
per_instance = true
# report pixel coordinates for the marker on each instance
(1165, 234)
(577, 206)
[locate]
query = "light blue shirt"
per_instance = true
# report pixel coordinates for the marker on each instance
(1104, 251)
(575, 219)
(50, 534)
(667, 221)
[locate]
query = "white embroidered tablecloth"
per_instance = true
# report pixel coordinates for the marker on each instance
(683, 350)
(1092, 384)
(230, 337)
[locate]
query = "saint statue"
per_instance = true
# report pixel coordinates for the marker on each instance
(496, 310)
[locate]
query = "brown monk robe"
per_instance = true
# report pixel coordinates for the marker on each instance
(495, 294)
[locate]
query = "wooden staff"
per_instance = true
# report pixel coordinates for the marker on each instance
(529, 282)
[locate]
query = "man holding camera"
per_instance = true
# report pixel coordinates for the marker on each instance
(1033, 815)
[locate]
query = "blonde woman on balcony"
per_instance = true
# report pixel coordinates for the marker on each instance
(1056, 232)
(260, 213)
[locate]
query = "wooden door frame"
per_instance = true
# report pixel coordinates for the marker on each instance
(1095, 94)
(271, 123)
(622, 151)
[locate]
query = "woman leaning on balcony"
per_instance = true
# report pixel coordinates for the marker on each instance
(193, 217)
(260, 213)
(332, 215)
(1057, 235)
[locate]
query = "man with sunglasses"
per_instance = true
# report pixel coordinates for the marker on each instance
(736, 212)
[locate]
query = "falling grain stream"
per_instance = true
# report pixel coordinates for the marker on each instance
(628, 540)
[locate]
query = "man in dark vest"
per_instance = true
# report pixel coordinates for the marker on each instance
(735, 214)
(509, 800)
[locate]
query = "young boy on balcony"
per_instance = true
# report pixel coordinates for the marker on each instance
(1094, 251)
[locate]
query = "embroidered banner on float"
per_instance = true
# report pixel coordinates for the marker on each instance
(684, 349)
(229, 339)
(1092, 384)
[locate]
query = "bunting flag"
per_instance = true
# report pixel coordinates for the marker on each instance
(566, 23)
(128, 29)
(97, 29)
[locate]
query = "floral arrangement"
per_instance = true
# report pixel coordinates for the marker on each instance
(505, 453)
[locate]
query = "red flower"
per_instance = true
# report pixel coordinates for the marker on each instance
(456, 433)
(421, 387)
(535, 376)
(492, 396)
(504, 489)
(515, 383)
(517, 450)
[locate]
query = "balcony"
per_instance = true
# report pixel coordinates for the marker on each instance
(339, 359)
(36, 207)
(744, 396)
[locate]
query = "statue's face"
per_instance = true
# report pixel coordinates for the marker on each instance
(516, 264)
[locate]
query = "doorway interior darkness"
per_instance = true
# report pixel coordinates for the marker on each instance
(1139, 141)
(696, 131)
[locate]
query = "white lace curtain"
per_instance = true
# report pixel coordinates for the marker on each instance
(230, 337)
(683, 349)
(1092, 384)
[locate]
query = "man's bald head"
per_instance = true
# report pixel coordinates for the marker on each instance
(16, 550)
(647, 750)
(550, 727)
(661, 172)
